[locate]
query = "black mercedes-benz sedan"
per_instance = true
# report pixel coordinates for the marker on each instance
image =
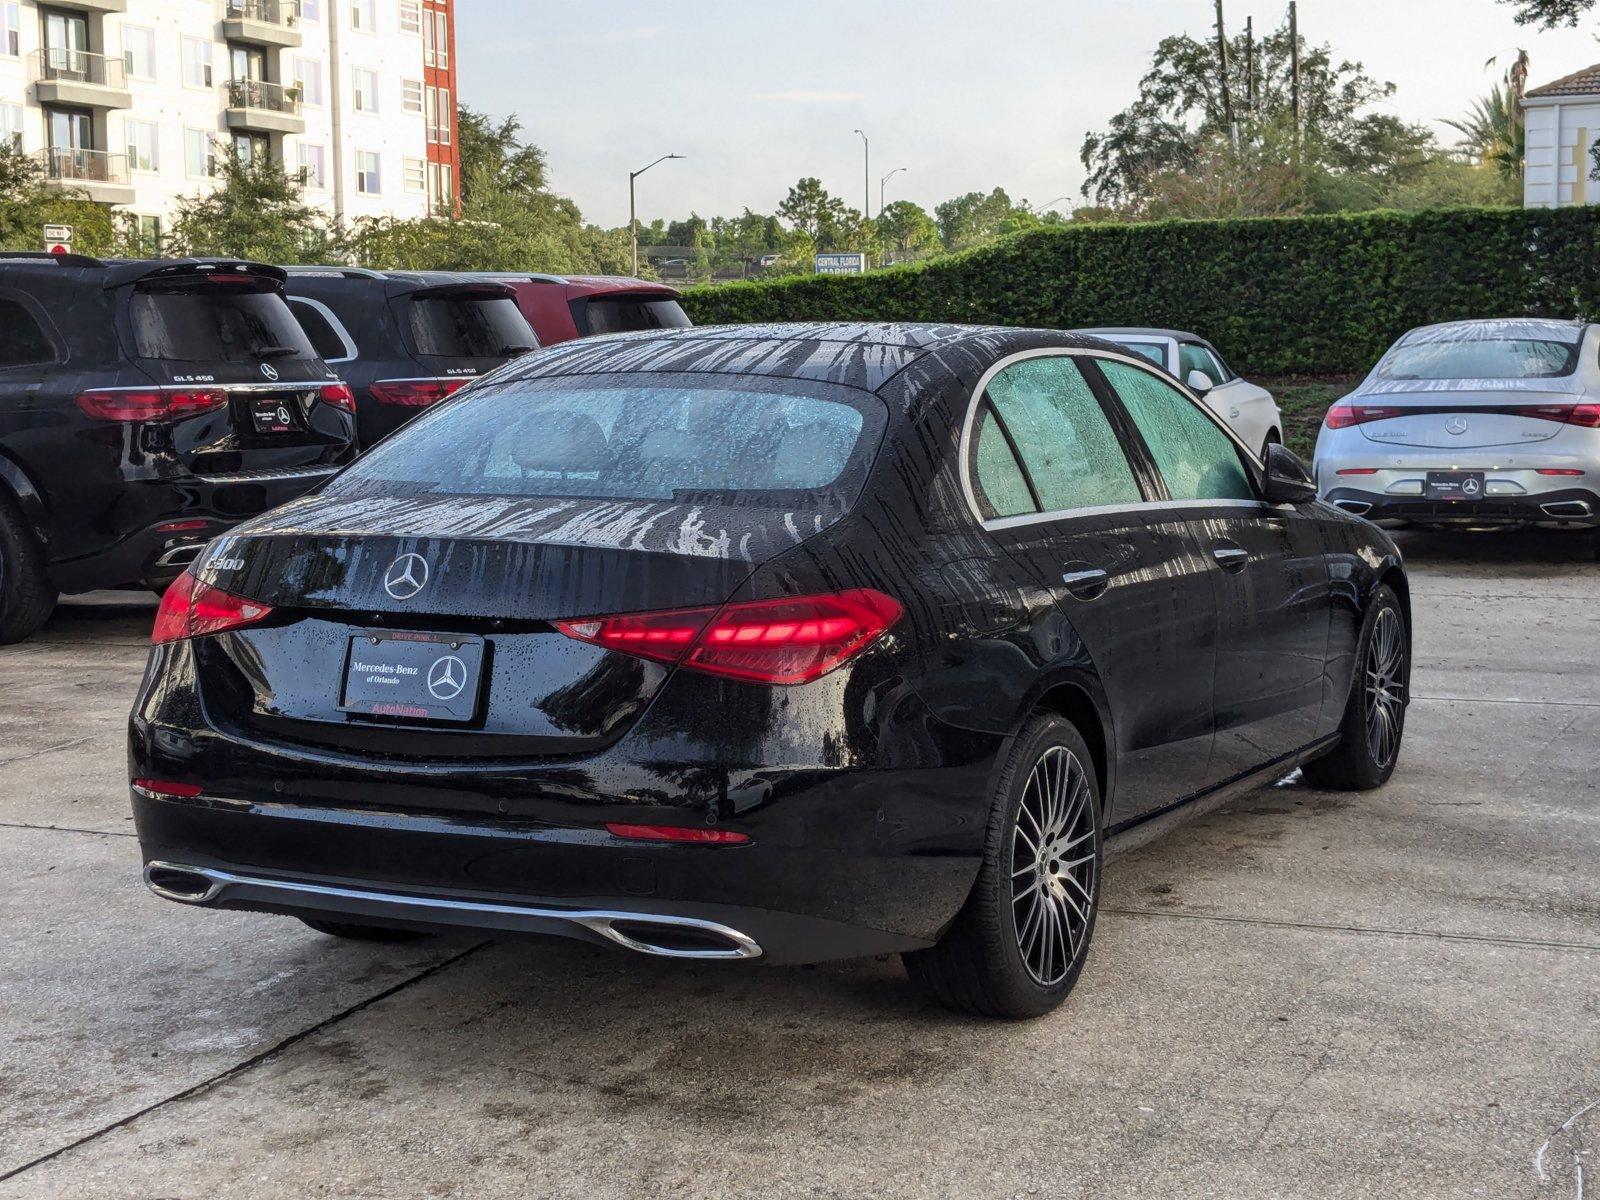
(785, 643)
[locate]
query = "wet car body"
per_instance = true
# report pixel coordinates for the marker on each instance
(853, 803)
(563, 307)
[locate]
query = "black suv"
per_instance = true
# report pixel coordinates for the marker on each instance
(404, 340)
(145, 407)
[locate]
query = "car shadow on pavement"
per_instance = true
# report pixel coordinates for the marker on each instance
(1532, 546)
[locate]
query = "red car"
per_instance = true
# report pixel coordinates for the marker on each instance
(561, 307)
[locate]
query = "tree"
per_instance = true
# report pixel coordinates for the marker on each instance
(495, 153)
(28, 202)
(1550, 13)
(257, 211)
(975, 218)
(1493, 132)
(1179, 116)
(813, 211)
(906, 228)
(1223, 184)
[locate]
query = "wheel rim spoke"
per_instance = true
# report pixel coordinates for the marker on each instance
(1384, 687)
(1053, 883)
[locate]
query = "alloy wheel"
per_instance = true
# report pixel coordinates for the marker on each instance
(1385, 687)
(1053, 866)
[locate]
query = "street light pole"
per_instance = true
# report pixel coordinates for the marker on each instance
(633, 212)
(866, 176)
(882, 183)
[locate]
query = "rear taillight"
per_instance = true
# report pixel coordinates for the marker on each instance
(415, 393)
(1586, 415)
(1562, 472)
(337, 395)
(1343, 416)
(150, 404)
(1358, 470)
(168, 787)
(792, 640)
(190, 609)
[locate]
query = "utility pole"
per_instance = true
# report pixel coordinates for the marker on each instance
(1222, 68)
(866, 176)
(1250, 65)
(1294, 72)
(633, 212)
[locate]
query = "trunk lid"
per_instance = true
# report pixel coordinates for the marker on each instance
(1467, 417)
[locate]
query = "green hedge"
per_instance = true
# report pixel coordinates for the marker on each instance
(1293, 295)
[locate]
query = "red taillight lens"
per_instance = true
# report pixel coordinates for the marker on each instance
(1586, 415)
(415, 393)
(1562, 471)
(1343, 416)
(1358, 470)
(150, 404)
(190, 609)
(337, 395)
(676, 833)
(793, 640)
(166, 787)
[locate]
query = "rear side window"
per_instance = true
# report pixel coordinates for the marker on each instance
(1068, 448)
(325, 339)
(627, 314)
(1197, 460)
(22, 339)
(1156, 352)
(688, 438)
(215, 323)
(1002, 489)
(469, 327)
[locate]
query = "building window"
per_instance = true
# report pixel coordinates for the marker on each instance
(199, 154)
(311, 10)
(411, 95)
(416, 175)
(410, 16)
(139, 51)
(308, 78)
(369, 179)
(441, 40)
(196, 63)
(10, 29)
(441, 196)
(362, 17)
(366, 89)
(439, 122)
(147, 236)
(11, 125)
(142, 142)
(314, 165)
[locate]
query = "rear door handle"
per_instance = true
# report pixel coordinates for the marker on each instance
(1230, 557)
(1086, 583)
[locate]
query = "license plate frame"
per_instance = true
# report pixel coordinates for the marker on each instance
(272, 414)
(405, 675)
(1455, 487)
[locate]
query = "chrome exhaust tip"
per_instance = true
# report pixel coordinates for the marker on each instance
(1358, 508)
(186, 885)
(1567, 509)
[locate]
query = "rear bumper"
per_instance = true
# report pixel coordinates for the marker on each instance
(1570, 506)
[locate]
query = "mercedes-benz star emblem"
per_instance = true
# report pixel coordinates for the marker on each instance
(1470, 487)
(447, 677)
(407, 575)
(1456, 425)
(270, 371)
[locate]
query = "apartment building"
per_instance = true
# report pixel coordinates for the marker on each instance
(130, 101)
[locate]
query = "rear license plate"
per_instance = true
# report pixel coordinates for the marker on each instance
(272, 416)
(420, 676)
(1453, 485)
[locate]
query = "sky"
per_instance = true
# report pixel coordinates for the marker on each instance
(964, 94)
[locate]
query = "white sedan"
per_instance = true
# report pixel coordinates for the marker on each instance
(1250, 411)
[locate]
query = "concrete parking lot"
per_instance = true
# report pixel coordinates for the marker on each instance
(1301, 995)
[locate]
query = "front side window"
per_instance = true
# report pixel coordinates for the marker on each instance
(709, 439)
(1481, 358)
(1197, 460)
(215, 322)
(1195, 357)
(1067, 446)
(22, 339)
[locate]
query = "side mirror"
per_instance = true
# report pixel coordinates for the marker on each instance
(1199, 382)
(1287, 480)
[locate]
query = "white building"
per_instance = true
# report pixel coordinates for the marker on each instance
(130, 100)
(1562, 121)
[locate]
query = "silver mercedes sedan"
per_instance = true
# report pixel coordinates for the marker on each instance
(1472, 423)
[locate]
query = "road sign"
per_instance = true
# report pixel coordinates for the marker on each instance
(58, 239)
(852, 263)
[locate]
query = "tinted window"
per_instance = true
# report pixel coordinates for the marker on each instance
(215, 323)
(997, 478)
(22, 340)
(459, 327)
(1193, 357)
(1156, 352)
(1481, 358)
(1067, 446)
(684, 437)
(1198, 460)
(324, 338)
(625, 314)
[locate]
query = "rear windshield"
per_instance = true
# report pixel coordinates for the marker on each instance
(676, 437)
(1481, 358)
(627, 314)
(461, 327)
(215, 323)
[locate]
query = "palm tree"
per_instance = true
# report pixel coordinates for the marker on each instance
(1492, 131)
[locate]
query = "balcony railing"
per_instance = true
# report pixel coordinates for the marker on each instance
(269, 12)
(78, 66)
(84, 166)
(262, 96)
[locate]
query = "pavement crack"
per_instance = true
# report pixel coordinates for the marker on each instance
(67, 745)
(67, 829)
(248, 1064)
(1369, 930)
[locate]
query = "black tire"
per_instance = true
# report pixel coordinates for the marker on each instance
(26, 597)
(364, 933)
(994, 960)
(1365, 756)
